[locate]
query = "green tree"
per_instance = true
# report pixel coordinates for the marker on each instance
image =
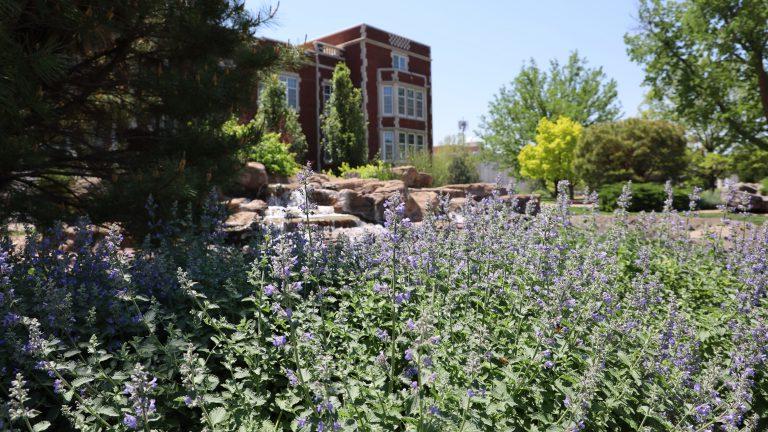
(706, 60)
(640, 150)
(706, 167)
(130, 95)
(551, 158)
(343, 123)
(574, 90)
(276, 116)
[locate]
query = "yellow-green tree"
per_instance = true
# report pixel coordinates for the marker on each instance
(550, 158)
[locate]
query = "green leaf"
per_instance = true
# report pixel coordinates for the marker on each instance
(107, 411)
(43, 425)
(79, 381)
(218, 415)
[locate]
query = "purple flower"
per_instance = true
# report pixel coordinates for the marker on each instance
(409, 354)
(292, 378)
(433, 410)
(548, 364)
(130, 421)
(301, 422)
(57, 386)
(269, 290)
(279, 340)
(410, 324)
(382, 334)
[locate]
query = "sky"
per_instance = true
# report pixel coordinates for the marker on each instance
(480, 45)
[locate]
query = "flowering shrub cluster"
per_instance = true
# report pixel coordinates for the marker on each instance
(504, 321)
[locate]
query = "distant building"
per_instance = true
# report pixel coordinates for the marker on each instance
(394, 74)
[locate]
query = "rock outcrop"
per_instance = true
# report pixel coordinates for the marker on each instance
(253, 178)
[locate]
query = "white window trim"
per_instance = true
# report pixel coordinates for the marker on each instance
(401, 55)
(298, 87)
(397, 157)
(384, 155)
(323, 84)
(396, 101)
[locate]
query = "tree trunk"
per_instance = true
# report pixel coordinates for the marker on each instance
(762, 81)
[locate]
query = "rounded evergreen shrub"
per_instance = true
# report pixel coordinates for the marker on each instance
(645, 197)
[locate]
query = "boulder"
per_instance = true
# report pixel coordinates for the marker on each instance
(256, 205)
(253, 177)
(423, 180)
(757, 203)
(477, 190)
(407, 174)
(241, 222)
(326, 197)
(424, 200)
(520, 201)
(354, 184)
(330, 220)
(355, 203)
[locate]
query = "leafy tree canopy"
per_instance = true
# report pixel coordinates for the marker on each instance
(551, 158)
(640, 150)
(706, 61)
(276, 116)
(128, 95)
(573, 89)
(343, 123)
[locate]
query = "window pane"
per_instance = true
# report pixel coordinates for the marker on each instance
(388, 149)
(410, 103)
(419, 104)
(293, 98)
(420, 143)
(401, 147)
(401, 101)
(387, 90)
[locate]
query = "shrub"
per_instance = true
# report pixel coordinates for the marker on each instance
(504, 322)
(645, 197)
(710, 199)
(267, 148)
(274, 154)
(634, 149)
(377, 170)
(764, 186)
(450, 165)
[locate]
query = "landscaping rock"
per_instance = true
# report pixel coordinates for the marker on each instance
(408, 174)
(352, 202)
(327, 197)
(256, 205)
(330, 221)
(425, 200)
(253, 177)
(241, 222)
(423, 180)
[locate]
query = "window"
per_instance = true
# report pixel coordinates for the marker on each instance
(327, 89)
(291, 83)
(399, 62)
(419, 104)
(402, 147)
(388, 147)
(401, 101)
(410, 106)
(410, 102)
(420, 143)
(387, 100)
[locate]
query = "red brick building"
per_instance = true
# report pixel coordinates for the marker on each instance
(394, 74)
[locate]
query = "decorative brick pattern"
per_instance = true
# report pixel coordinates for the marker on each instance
(399, 42)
